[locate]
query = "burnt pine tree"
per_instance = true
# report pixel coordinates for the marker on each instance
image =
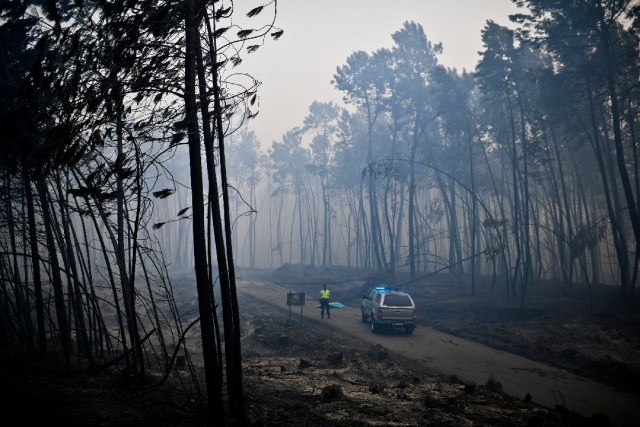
(601, 37)
(414, 60)
(363, 81)
(201, 69)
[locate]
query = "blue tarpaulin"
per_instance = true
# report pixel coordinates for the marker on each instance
(334, 304)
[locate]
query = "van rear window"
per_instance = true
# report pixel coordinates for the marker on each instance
(394, 300)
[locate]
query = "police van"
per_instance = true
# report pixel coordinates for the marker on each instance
(389, 308)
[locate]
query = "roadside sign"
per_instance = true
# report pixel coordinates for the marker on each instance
(297, 299)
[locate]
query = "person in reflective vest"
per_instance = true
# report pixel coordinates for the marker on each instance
(325, 297)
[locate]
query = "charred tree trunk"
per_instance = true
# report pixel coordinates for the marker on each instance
(35, 264)
(205, 294)
(58, 291)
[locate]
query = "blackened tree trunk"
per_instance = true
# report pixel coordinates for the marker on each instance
(233, 351)
(35, 264)
(70, 261)
(205, 294)
(58, 292)
(621, 163)
(23, 317)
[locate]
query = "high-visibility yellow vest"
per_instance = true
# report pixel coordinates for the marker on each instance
(324, 293)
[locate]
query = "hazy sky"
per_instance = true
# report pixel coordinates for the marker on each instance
(319, 35)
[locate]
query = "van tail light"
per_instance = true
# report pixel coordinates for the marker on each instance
(415, 315)
(379, 314)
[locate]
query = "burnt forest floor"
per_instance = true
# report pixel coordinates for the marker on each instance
(587, 330)
(290, 377)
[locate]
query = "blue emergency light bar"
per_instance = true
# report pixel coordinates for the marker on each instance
(385, 288)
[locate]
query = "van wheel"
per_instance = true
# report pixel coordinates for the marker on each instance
(364, 317)
(374, 328)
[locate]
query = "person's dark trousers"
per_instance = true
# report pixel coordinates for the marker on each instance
(324, 305)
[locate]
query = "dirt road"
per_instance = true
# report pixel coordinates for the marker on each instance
(472, 362)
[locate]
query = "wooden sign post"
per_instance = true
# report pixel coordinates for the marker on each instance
(295, 298)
